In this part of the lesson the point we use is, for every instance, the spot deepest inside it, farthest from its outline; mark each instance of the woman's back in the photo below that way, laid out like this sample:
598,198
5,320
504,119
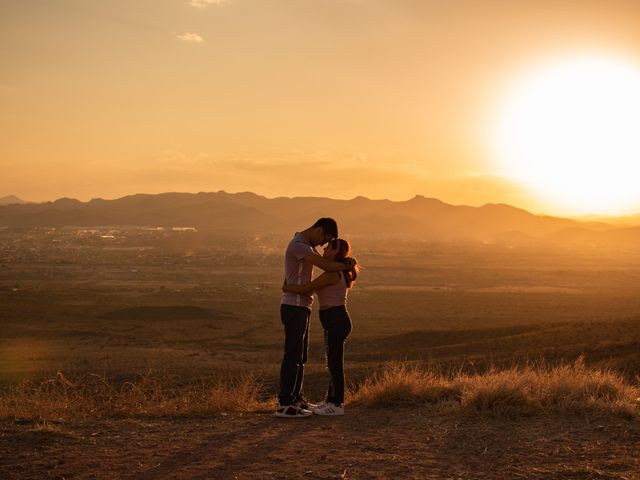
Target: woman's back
333,295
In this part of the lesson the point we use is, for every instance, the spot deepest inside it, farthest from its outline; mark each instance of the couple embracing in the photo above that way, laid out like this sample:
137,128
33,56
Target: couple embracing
331,288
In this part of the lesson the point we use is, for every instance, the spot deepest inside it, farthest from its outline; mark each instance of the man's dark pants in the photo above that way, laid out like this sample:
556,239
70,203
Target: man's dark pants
296,345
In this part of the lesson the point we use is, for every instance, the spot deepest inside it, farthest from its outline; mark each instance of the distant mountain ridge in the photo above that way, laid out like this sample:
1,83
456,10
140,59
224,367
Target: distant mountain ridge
421,217
10,200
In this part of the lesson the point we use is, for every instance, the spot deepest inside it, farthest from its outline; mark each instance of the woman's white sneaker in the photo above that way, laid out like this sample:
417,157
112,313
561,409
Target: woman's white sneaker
329,409
322,404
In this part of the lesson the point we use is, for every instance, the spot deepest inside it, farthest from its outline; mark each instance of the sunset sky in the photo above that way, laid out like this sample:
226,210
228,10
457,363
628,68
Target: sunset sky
337,98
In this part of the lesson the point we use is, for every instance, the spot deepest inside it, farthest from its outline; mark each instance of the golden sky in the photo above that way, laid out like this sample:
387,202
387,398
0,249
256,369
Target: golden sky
338,98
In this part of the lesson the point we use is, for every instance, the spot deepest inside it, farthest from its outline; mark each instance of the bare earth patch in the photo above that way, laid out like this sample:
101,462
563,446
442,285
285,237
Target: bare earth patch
365,444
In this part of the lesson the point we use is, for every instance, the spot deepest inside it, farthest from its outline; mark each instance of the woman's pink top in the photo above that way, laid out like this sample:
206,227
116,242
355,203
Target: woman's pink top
333,295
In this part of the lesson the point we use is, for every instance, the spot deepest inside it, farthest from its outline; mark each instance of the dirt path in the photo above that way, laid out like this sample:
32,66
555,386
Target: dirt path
365,444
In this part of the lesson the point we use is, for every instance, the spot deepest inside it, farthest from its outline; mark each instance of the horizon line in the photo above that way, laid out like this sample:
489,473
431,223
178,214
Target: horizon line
414,197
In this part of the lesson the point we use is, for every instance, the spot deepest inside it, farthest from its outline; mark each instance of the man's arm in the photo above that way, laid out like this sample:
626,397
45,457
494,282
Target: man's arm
329,265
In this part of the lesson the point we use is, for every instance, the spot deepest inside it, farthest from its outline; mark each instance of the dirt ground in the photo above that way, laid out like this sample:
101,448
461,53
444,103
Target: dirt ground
364,444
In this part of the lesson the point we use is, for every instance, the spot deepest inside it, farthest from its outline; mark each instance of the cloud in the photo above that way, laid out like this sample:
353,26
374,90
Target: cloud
190,37
310,172
205,3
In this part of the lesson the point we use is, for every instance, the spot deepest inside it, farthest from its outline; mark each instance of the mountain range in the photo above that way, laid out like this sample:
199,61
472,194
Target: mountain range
10,200
420,217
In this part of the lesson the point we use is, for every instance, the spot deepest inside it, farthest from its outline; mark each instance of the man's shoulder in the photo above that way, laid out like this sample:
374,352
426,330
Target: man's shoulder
299,240
299,237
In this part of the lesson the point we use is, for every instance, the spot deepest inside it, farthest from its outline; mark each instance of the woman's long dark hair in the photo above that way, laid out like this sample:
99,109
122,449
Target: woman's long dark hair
343,249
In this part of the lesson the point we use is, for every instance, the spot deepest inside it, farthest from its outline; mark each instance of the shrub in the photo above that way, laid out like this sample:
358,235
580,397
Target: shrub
514,391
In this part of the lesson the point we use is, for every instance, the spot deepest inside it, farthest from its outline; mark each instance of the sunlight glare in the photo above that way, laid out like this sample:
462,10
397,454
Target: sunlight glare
571,133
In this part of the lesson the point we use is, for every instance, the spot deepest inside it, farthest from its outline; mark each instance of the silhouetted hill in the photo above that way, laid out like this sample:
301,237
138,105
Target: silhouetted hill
419,217
10,200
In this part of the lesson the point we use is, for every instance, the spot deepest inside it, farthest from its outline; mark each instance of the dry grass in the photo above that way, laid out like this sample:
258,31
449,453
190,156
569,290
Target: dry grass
519,390
152,394
400,384
528,390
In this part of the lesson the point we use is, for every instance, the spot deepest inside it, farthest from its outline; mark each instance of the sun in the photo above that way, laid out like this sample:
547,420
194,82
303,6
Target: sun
570,131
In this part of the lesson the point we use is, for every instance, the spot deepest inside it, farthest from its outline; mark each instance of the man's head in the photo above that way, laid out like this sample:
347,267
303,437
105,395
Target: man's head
323,231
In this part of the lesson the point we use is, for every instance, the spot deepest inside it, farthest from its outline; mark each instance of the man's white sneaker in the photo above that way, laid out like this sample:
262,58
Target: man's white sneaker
292,411
329,409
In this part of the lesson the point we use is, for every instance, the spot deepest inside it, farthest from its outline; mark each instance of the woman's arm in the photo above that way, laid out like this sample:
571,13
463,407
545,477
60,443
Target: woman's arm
324,280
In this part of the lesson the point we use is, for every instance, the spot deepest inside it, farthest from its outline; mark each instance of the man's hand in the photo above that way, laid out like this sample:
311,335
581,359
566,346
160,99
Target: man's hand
350,262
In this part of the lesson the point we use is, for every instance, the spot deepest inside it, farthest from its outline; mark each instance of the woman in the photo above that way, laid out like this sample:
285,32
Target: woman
331,289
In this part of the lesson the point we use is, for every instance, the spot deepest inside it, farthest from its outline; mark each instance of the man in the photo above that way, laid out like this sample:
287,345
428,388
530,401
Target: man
295,309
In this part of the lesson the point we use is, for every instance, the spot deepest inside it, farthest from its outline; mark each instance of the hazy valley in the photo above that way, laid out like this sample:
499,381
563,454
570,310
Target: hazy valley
187,302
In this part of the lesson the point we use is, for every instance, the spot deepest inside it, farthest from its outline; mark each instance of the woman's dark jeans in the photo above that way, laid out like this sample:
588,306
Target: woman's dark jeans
337,327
